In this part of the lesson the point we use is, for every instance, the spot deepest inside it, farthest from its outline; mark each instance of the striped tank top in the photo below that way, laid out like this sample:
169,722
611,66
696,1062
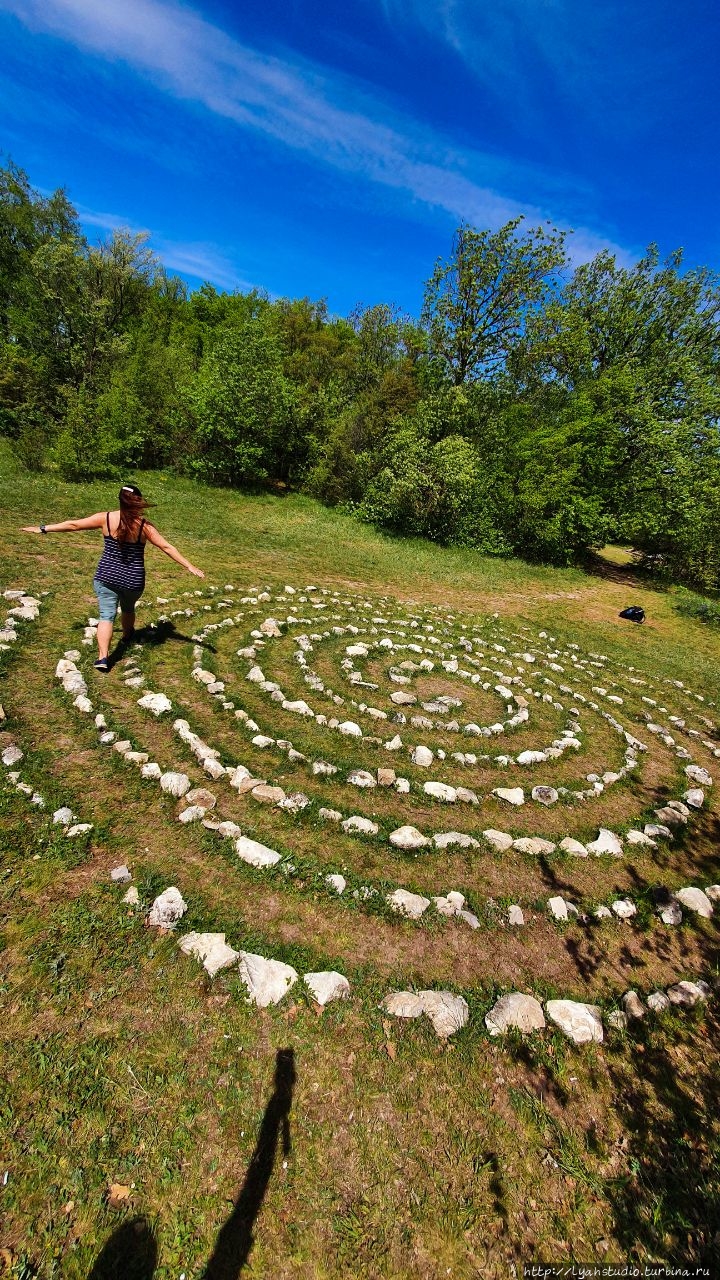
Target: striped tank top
122,564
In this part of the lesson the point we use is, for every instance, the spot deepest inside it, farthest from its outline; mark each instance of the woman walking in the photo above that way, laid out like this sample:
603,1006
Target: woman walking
120,576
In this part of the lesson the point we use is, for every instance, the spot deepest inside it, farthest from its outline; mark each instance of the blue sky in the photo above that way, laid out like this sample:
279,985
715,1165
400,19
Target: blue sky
329,150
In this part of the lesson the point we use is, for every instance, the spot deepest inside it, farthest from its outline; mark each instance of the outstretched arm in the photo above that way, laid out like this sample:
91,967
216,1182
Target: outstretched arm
68,526
171,551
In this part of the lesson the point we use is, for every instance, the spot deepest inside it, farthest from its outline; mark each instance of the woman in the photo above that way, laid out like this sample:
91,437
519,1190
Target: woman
120,575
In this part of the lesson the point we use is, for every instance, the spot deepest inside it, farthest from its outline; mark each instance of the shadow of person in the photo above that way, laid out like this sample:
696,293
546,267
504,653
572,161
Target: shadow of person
129,1254
235,1239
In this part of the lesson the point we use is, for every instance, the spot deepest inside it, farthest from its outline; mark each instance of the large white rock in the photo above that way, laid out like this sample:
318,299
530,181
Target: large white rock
512,795
640,838
695,797
422,756
267,981
444,839
558,908
151,770
687,993
580,1022
607,842
362,778
699,776
175,784
545,795
534,845
328,986
403,699
256,854
11,755
531,757
440,791
211,949
363,825
155,702
255,675
408,904
574,847
408,837
447,1012
350,729
499,840
167,909
336,882
695,900
624,909
515,1010
63,816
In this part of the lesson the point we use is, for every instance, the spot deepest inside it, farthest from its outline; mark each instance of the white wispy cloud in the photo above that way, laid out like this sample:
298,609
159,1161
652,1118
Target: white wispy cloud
329,118
194,258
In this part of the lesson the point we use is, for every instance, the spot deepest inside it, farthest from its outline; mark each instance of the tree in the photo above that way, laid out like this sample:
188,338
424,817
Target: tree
476,304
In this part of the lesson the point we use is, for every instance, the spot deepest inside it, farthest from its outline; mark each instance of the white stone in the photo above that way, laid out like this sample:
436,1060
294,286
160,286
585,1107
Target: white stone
534,845
499,840
640,838
515,1010
671,913
658,1002
155,702
211,949
361,778
151,770
624,908
267,981
633,1005
350,729
440,791
270,628
262,740
447,1012
444,839
255,676
120,875
695,900
686,993
256,854
558,908
327,986
174,784
167,909
713,892
336,882
512,795
363,825
63,816
132,897
531,757
83,704
193,813
408,904
330,815
403,699
394,744
653,829
544,795
78,829
408,837
515,915
695,797
574,847
602,912
607,842
422,756
404,1004
697,775
580,1022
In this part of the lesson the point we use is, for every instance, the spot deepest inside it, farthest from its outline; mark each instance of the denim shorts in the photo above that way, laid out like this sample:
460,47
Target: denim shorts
109,600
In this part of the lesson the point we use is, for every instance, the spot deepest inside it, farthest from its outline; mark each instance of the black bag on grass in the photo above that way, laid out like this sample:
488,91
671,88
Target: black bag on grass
633,614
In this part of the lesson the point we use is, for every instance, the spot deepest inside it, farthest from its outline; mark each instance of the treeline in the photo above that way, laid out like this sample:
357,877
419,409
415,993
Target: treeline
530,409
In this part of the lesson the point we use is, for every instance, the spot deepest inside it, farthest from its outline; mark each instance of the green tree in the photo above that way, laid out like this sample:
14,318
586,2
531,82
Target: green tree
476,304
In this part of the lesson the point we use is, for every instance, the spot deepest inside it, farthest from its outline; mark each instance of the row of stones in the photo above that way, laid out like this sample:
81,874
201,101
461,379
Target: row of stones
408,903
268,981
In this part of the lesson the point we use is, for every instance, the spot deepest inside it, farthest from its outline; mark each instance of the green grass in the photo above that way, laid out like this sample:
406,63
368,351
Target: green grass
122,1062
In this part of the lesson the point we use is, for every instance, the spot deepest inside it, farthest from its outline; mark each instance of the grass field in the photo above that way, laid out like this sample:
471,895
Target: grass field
300,1141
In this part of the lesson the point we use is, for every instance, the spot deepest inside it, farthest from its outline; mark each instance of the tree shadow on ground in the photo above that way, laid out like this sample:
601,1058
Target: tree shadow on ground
235,1239
668,1209
129,1254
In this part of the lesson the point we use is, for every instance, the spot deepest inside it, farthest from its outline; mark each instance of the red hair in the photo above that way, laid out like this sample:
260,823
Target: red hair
132,506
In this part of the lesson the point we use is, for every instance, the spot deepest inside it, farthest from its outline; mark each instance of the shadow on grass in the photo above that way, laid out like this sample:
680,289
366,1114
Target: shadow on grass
130,1253
153,635
235,1239
669,1209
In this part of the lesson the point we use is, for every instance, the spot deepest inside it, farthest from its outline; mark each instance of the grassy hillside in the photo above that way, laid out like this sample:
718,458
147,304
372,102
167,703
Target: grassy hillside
302,1141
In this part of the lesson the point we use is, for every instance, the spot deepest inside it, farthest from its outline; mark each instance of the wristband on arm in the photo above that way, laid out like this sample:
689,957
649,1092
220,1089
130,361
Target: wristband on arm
43,528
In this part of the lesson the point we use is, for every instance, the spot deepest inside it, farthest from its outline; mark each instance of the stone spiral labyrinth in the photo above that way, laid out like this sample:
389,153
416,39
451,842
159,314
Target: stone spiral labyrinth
470,774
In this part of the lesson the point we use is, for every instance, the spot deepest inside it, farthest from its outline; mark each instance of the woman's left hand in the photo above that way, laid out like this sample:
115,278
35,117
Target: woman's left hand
31,528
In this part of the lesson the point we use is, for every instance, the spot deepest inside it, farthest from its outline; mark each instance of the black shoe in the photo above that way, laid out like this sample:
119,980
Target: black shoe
102,665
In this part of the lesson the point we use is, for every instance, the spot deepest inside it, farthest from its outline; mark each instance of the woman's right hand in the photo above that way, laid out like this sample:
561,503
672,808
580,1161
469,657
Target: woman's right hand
197,573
